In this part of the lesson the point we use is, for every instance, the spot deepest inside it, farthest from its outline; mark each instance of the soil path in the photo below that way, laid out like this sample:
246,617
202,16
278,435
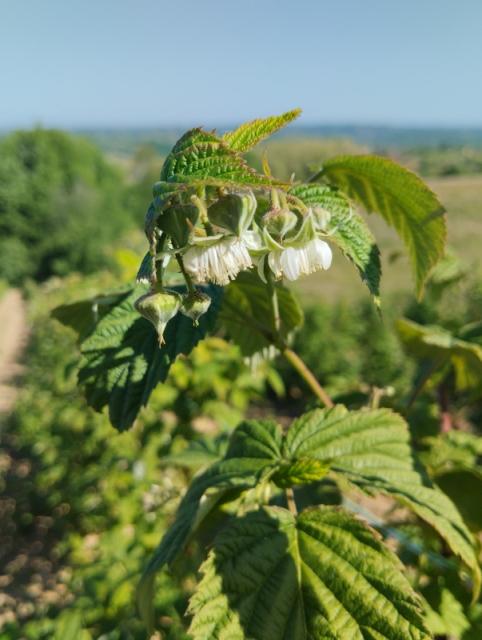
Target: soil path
13,337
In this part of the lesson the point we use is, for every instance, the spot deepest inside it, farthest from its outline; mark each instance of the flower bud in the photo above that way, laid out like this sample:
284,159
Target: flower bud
194,305
159,307
322,218
233,212
279,221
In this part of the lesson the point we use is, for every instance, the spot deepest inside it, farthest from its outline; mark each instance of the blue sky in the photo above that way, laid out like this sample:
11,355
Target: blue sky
185,62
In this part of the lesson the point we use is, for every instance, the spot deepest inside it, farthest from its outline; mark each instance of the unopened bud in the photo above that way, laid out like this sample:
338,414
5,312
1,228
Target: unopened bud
194,305
233,212
159,307
279,221
322,218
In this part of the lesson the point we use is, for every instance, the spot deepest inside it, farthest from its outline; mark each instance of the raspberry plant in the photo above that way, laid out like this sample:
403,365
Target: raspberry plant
222,238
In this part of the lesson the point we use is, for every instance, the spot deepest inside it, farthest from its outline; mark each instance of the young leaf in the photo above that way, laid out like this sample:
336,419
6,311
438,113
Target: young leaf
249,134
372,450
438,346
402,198
323,574
349,231
246,313
121,359
200,155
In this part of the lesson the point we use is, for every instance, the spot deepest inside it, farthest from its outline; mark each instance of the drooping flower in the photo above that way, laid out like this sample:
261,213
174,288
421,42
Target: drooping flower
293,262
218,259
301,254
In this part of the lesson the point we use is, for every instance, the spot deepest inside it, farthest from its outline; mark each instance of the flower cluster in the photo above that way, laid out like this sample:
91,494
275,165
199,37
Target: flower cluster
216,234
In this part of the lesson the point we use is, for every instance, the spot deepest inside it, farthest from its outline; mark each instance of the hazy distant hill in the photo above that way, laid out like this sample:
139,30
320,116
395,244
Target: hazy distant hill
125,141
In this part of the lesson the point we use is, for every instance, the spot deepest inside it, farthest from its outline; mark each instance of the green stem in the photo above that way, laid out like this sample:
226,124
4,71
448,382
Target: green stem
307,375
190,286
274,304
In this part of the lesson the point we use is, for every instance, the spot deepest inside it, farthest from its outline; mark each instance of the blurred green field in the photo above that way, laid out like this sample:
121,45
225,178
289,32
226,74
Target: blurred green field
462,198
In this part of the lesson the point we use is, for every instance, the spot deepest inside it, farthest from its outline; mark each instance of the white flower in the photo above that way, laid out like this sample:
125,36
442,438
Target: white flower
292,262
218,262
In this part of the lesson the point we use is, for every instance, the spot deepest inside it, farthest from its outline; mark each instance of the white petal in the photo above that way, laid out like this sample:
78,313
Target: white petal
274,262
323,250
291,263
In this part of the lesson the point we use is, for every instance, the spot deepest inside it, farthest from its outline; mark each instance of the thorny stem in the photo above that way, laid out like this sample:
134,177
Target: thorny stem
187,277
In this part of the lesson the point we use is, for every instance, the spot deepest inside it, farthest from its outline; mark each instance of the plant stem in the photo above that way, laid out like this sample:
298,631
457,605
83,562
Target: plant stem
274,304
187,277
307,375
290,500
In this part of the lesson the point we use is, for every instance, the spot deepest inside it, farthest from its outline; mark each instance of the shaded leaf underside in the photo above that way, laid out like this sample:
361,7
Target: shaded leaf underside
401,198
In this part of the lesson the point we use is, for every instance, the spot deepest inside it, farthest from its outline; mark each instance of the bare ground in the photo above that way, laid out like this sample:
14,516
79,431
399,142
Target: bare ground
13,337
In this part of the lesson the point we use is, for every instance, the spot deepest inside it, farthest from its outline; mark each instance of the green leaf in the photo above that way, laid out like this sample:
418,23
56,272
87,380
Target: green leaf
438,346
121,359
402,198
202,156
371,449
246,313
83,315
252,452
323,574
350,232
249,134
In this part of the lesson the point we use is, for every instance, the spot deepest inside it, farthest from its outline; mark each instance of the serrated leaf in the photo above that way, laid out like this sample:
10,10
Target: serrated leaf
246,313
371,449
439,346
249,134
350,232
200,155
323,574
252,451
402,198
121,359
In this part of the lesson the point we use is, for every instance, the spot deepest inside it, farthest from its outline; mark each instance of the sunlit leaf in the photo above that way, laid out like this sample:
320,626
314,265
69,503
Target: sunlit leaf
323,574
200,155
371,449
249,134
